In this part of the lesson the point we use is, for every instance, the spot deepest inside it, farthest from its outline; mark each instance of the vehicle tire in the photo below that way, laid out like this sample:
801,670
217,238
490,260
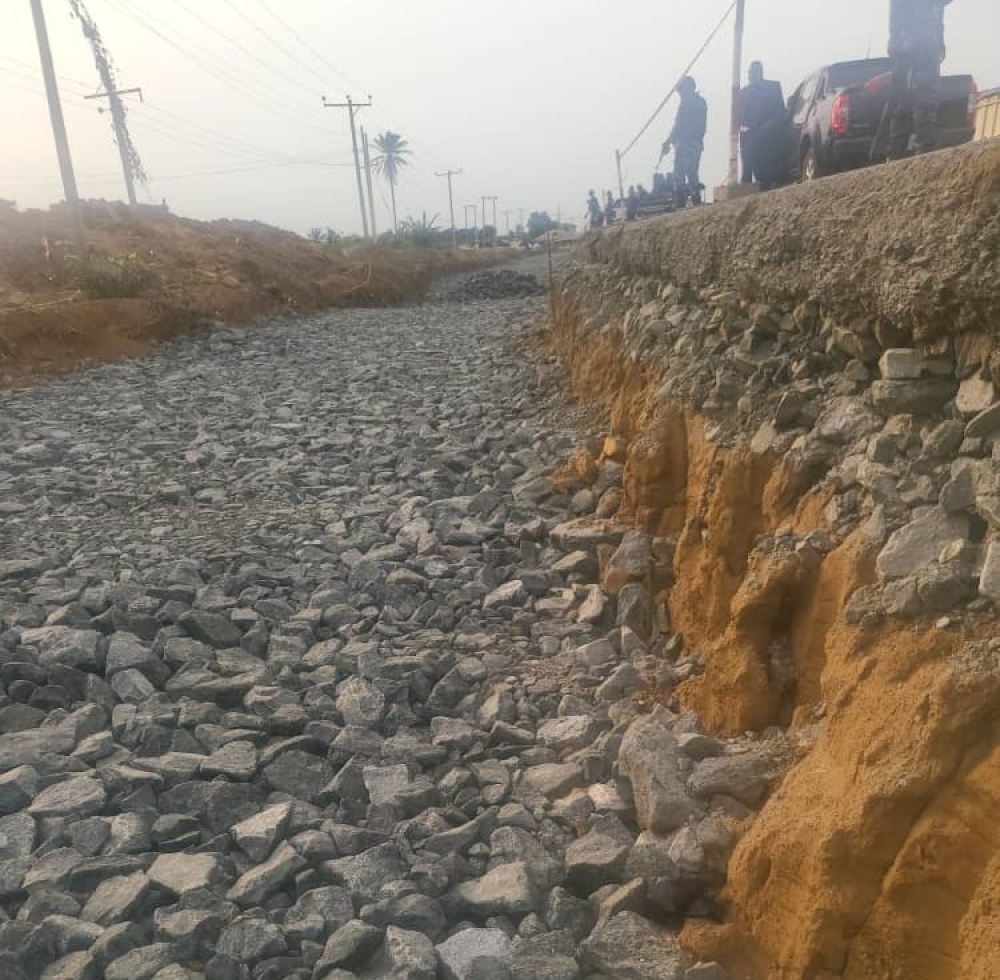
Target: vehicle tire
811,169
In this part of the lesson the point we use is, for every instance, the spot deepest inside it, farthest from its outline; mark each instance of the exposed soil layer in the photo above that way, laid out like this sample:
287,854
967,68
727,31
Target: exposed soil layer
879,854
144,275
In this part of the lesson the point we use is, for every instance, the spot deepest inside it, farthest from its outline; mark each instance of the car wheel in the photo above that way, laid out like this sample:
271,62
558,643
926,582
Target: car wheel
811,170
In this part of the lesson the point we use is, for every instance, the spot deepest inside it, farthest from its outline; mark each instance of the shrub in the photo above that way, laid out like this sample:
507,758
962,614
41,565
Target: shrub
114,277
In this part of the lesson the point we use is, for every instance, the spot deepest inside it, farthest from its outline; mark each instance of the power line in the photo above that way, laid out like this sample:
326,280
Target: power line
309,47
711,37
245,85
242,48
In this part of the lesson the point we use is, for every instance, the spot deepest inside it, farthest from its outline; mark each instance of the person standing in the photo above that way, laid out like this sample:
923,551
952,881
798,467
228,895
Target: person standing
762,136
687,139
595,212
916,48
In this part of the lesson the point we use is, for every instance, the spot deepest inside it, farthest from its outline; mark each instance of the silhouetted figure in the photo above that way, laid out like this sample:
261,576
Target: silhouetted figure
688,141
632,204
762,129
916,47
609,208
595,212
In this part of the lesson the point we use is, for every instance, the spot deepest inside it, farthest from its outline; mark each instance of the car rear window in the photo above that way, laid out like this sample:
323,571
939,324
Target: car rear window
857,73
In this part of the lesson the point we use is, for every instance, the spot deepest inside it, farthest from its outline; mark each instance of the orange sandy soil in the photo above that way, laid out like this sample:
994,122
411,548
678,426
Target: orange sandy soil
878,856
228,271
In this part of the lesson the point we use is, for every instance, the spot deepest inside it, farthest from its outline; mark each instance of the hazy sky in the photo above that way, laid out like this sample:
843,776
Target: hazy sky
529,97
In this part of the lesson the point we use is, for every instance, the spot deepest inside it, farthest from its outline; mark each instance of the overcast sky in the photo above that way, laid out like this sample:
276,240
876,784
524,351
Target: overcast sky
529,97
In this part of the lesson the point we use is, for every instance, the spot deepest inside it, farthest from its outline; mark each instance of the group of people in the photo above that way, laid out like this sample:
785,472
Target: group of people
916,49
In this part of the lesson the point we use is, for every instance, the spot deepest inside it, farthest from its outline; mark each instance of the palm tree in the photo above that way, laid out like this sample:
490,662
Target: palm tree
394,154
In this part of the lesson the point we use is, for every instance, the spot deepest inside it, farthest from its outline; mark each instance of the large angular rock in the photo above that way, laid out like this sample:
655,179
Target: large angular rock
552,779
210,628
594,861
506,890
649,758
117,900
250,938
743,776
919,543
923,398
65,647
410,955
629,947
299,774
319,912
364,874
81,796
18,788
181,873
360,702
256,884
257,835
350,946
459,952
631,562
989,580
585,534
847,420
569,732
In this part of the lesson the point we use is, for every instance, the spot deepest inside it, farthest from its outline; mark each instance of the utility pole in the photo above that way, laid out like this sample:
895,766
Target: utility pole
55,110
352,110
472,208
734,127
121,135
368,176
451,202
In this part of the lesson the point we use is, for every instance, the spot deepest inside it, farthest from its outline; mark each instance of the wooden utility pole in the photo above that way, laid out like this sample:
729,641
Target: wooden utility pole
352,110
55,110
451,203
734,127
368,177
121,134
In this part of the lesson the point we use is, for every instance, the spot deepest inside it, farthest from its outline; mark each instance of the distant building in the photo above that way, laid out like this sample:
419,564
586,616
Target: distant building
988,115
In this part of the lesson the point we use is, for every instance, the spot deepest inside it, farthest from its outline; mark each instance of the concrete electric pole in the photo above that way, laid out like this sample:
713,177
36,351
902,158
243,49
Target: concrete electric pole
352,110
55,108
121,135
368,178
451,203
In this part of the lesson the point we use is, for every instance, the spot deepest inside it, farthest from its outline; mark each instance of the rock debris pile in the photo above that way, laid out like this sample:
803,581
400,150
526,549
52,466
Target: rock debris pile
491,284
906,440
305,674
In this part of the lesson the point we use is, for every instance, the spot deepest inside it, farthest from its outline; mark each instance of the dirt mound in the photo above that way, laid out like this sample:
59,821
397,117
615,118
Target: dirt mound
143,275
492,284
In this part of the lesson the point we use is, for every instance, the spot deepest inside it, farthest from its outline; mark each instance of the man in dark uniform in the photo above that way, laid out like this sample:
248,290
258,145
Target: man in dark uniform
916,47
688,141
762,136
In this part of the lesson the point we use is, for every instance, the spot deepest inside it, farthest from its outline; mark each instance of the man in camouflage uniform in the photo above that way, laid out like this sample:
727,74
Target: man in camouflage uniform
916,47
688,141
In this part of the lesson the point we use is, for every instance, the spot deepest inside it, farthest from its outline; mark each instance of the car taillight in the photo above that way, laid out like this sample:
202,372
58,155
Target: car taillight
879,85
841,119
973,102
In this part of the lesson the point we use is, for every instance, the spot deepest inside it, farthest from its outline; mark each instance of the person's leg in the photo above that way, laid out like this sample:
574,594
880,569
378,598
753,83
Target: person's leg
746,158
694,166
901,107
680,185
925,84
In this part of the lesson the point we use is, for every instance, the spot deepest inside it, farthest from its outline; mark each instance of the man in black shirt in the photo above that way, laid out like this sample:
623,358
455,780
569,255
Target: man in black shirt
688,141
916,47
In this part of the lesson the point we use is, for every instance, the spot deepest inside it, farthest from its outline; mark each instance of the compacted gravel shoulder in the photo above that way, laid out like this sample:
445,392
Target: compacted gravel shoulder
304,673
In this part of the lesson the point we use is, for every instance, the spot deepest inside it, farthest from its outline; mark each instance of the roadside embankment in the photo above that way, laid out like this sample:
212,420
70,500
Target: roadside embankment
803,390
144,275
